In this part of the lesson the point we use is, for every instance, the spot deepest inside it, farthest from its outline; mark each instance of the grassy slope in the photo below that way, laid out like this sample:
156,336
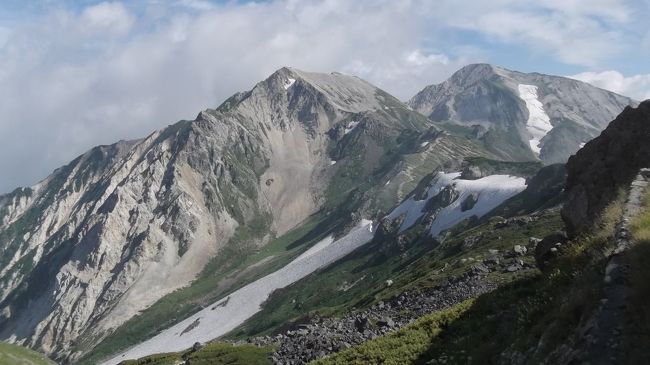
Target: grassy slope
420,264
507,324
401,347
212,354
17,355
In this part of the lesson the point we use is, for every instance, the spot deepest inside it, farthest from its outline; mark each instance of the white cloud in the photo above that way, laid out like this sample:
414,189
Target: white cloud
4,36
579,32
637,86
66,85
106,17
71,79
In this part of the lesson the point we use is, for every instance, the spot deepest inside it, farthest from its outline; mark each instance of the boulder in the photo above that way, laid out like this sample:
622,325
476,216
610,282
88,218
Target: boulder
520,250
546,249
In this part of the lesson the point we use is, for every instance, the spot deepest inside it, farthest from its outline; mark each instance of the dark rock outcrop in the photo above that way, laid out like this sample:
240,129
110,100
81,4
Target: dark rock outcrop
604,166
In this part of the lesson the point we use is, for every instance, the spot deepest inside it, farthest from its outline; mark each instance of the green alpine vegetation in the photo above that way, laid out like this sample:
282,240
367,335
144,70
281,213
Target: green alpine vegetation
18,355
212,354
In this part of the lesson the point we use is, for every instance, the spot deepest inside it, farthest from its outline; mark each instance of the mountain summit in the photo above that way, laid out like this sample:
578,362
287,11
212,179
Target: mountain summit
521,115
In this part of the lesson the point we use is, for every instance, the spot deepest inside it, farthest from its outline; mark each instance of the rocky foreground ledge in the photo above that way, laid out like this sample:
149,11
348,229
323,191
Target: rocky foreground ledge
324,336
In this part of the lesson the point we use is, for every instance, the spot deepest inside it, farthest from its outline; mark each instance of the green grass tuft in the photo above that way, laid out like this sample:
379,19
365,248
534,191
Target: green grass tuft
212,354
18,355
401,347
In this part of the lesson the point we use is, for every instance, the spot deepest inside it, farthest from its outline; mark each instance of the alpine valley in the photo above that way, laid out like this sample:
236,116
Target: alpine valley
318,218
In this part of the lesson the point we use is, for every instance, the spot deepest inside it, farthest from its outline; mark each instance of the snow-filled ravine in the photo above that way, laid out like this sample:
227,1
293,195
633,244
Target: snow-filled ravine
228,313
489,191
538,124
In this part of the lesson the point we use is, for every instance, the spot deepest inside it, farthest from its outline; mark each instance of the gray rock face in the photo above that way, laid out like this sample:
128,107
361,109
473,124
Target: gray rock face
604,166
488,99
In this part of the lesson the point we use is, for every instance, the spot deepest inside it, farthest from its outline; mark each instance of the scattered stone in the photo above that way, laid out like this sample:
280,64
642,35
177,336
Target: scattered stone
521,250
386,322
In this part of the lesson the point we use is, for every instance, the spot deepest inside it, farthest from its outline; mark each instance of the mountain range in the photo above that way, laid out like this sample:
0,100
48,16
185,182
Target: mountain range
302,170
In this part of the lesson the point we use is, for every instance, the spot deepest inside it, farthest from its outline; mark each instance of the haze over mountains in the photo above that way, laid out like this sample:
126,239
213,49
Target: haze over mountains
105,237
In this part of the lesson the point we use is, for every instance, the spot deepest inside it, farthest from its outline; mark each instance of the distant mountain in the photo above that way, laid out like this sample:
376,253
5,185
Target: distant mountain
520,116
122,226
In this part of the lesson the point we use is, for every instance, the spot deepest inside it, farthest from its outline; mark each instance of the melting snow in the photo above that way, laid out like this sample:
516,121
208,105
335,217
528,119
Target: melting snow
491,191
538,123
315,248
226,314
351,127
289,84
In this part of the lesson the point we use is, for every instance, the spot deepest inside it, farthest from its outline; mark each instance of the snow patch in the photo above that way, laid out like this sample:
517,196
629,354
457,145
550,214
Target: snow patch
225,314
351,126
289,83
424,144
332,162
315,248
538,124
490,191
581,145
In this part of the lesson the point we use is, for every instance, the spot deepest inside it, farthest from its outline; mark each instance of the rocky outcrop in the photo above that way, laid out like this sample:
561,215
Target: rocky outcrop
324,336
548,248
488,102
606,166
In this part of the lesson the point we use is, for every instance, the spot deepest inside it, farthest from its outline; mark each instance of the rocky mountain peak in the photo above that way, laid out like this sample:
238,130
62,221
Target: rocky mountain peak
526,116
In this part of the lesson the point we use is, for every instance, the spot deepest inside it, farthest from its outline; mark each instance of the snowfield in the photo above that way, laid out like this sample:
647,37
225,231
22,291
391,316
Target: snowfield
489,191
351,127
538,123
228,313
289,83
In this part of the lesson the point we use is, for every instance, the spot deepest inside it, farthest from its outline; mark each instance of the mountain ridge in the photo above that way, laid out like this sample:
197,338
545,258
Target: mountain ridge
554,114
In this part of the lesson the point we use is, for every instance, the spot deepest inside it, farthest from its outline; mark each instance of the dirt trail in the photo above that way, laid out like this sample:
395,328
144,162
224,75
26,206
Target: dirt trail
605,334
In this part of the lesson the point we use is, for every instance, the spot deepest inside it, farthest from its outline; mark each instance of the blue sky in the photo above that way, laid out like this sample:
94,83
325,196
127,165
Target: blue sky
74,74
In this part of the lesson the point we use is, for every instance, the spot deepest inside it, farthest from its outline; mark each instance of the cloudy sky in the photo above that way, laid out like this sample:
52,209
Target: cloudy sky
74,74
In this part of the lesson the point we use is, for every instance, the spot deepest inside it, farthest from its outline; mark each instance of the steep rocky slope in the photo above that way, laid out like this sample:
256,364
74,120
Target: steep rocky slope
605,166
120,227
518,115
